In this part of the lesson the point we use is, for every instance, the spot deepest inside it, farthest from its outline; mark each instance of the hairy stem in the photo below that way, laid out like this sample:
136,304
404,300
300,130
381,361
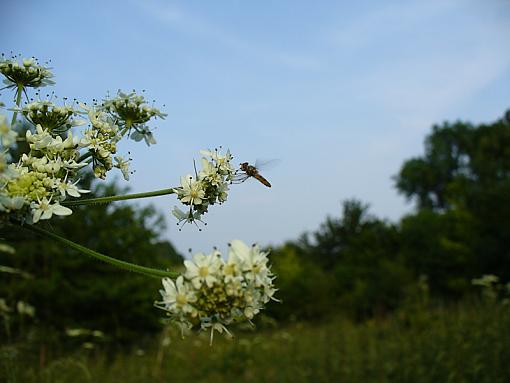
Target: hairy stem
19,92
105,200
147,271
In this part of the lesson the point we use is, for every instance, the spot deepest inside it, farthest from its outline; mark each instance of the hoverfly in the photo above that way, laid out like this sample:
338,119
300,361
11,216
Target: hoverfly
251,171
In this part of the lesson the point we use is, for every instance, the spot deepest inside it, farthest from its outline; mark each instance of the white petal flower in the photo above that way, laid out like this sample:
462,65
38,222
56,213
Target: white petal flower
253,261
7,171
144,134
7,135
222,192
123,165
177,296
71,141
191,191
186,217
40,140
222,161
70,189
11,203
44,209
203,269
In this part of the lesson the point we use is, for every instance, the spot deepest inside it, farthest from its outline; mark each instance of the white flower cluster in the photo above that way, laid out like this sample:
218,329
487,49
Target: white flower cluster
132,112
214,293
34,187
101,140
210,186
27,73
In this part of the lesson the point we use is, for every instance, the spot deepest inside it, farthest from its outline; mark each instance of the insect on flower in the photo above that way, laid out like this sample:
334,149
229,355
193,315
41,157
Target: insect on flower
247,171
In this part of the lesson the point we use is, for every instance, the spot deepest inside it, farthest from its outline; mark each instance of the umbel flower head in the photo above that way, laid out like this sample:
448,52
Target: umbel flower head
101,139
206,188
131,112
214,293
56,119
33,188
27,73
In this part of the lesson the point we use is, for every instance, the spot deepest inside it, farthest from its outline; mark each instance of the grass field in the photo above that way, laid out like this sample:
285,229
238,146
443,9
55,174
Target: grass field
469,342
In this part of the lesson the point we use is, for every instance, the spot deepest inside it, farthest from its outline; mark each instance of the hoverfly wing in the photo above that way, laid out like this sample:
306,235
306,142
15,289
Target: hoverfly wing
266,164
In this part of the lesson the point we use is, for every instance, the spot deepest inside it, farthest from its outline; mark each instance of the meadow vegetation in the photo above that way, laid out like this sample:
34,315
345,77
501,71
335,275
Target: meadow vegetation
468,342
363,299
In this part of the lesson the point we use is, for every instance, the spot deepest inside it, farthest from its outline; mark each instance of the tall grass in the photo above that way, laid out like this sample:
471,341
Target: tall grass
469,342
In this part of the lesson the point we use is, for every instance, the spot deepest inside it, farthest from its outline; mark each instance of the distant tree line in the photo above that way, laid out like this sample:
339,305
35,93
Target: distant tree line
357,264
363,266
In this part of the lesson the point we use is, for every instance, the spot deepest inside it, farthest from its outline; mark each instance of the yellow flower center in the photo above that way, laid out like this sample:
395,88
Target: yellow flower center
203,271
181,299
229,269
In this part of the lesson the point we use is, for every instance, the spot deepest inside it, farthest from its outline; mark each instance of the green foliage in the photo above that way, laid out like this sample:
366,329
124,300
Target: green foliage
350,265
303,286
439,246
364,266
382,275
464,179
69,290
463,343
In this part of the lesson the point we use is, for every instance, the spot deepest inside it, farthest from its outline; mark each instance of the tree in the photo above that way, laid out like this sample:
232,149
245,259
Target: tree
465,171
351,264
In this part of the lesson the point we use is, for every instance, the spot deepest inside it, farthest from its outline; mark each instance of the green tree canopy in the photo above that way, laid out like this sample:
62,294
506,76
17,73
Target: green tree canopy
465,174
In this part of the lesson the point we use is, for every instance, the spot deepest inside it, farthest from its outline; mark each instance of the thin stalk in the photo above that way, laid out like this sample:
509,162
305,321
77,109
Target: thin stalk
19,92
84,156
105,200
147,271
123,131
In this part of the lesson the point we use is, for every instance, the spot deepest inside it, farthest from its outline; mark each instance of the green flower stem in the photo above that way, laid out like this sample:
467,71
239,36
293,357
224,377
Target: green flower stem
104,200
147,271
84,156
19,92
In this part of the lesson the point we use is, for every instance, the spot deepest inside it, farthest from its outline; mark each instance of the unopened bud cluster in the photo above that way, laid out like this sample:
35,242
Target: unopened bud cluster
54,118
214,292
27,73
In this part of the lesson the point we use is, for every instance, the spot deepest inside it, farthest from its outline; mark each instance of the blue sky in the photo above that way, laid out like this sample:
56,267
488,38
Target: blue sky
340,92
